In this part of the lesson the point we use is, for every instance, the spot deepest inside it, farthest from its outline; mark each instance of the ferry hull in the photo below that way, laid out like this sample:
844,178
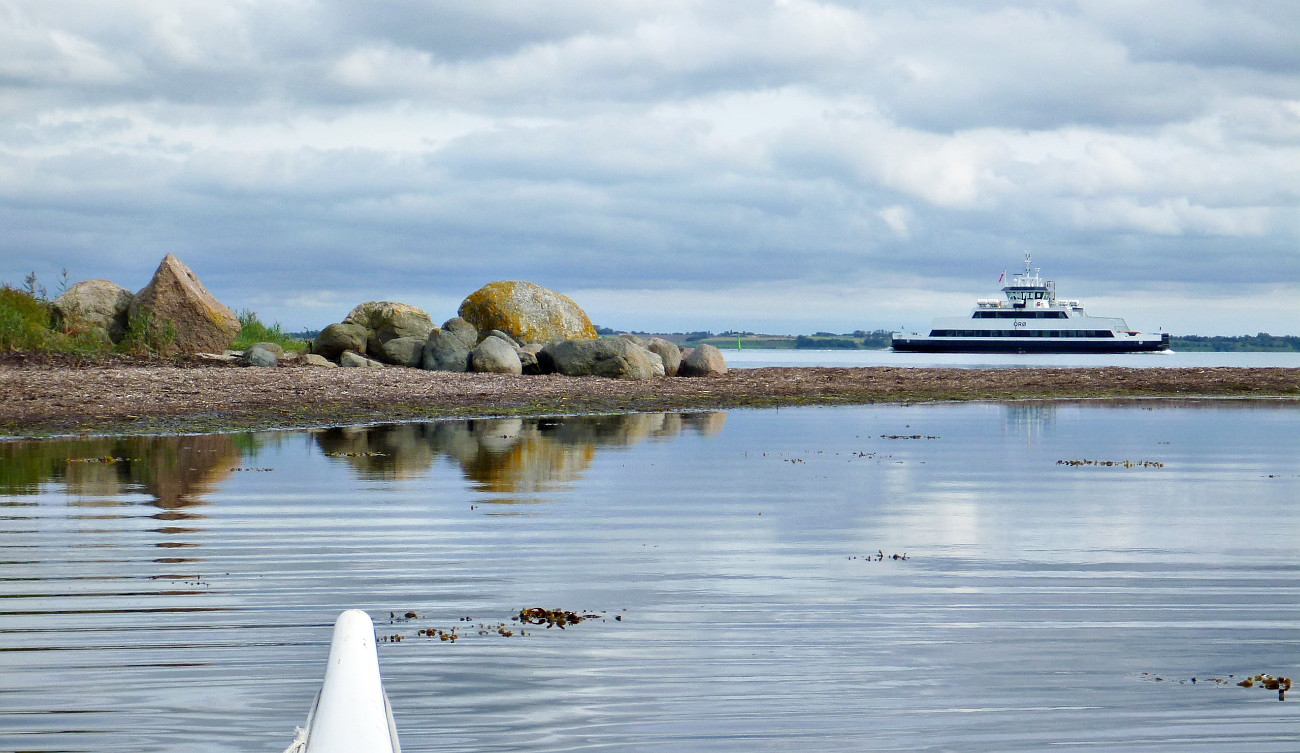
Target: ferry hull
1025,345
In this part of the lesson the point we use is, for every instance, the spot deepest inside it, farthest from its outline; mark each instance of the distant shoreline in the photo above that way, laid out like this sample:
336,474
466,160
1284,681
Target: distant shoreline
41,400
880,340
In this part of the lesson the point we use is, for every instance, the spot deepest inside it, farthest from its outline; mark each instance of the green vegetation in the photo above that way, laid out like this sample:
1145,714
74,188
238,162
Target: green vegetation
141,339
856,340
26,325
1260,342
252,330
24,321
822,341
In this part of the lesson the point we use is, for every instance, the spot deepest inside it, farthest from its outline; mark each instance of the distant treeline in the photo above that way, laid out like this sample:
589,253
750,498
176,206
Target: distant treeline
1260,342
880,338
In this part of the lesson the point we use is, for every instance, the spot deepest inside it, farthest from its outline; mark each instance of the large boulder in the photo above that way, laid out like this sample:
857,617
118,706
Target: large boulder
613,358
527,312
181,314
703,360
444,351
402,351
495,356
93,304
464,330
388,320
668,351
336,338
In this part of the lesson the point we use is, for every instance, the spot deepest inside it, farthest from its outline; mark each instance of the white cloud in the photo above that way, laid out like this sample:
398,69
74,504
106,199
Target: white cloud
777,150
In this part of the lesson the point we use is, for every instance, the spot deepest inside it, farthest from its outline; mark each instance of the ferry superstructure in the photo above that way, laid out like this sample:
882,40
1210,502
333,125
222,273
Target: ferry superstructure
1031,319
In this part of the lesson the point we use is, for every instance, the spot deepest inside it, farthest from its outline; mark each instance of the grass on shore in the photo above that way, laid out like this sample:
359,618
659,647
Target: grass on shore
253,330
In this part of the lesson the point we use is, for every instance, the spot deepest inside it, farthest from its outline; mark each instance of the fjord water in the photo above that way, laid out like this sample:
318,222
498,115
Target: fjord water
180,597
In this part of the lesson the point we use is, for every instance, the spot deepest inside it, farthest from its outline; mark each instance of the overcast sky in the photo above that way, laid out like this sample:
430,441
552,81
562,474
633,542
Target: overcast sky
669,164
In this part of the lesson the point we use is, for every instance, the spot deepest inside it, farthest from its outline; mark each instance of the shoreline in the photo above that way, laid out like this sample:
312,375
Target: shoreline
39,401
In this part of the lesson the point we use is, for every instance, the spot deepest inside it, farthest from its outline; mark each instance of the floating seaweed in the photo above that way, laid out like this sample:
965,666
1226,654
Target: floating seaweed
1113,463
908,436
106,459
530,616
552,617
356,454
1263,681
880,556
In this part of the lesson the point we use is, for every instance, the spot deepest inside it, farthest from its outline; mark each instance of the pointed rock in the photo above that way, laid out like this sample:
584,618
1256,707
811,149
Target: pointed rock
183,316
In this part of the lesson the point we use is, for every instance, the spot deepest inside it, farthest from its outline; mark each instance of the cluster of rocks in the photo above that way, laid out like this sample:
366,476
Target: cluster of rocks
174,307
506,327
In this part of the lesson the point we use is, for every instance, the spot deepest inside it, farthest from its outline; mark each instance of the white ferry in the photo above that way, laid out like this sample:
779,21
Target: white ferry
1031,320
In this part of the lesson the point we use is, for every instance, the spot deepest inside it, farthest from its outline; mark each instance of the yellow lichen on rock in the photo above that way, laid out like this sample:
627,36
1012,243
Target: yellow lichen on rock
527,312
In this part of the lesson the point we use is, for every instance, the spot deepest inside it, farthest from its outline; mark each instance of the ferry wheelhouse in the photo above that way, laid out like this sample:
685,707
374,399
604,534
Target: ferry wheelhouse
1031,319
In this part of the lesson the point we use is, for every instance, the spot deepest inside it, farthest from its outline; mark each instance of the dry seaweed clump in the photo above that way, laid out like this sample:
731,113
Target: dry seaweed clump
552,617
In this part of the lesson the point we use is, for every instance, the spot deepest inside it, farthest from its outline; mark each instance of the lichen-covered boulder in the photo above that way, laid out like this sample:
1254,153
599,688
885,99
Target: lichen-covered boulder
336,338
495,356
178,308
527,312
703,360
467,332
388,320
445,351
668,352
93,304
613,358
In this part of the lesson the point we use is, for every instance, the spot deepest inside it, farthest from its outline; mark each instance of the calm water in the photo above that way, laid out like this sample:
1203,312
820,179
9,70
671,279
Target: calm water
180,598
755,358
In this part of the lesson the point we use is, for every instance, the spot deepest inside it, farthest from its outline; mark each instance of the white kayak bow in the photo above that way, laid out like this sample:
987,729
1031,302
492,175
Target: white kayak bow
351,713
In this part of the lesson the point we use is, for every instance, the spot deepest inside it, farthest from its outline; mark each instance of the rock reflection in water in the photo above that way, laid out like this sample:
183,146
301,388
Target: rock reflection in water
504,456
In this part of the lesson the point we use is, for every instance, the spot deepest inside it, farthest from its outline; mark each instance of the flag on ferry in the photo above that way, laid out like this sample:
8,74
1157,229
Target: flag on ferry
1002,276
